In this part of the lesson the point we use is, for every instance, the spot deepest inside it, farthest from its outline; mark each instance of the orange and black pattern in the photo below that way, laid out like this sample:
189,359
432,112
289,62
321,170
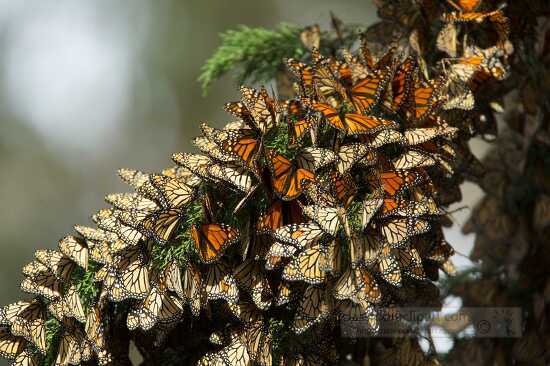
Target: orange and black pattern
332,224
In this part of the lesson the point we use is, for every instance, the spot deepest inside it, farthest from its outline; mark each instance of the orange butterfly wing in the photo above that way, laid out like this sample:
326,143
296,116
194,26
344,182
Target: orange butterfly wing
244,146
330,114
366,93
356,124
211,240
403,82
272,219
287,179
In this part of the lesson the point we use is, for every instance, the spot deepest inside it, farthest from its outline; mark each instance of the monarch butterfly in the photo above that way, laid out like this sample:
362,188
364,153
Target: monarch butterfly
416,136
211,240
344,288
313,308
234,174
330,259
70,305
242,144
212,149
314,158
394,182
193,289
272,219
95,234
74,249
33,329
398,231
403,84
10,345
245,311
100,252
307,267
311,36
95,330
173,191
158,306
300,119
45,284
328,218
302,72
132,274
369,209
366,93
460,96
384,137
411,263
112,284
239,110
299,235
184,174
34,268
220,283
195,163
27,358
478,17
162,225
131,201
427,97
364,249
352,123
258,340
327,75
73,348
389,267
60,265
366,286
282,295
349,310
413,158
357,70
10,312
235,353
349,155
134,178
261,107
288,179
278,250
344,187
250,276
440,251
106,219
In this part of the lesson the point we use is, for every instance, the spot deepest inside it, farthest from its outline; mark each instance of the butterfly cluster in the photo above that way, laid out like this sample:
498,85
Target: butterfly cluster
295,216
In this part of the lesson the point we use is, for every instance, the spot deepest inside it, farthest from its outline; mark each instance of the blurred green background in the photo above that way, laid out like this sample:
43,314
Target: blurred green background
87,87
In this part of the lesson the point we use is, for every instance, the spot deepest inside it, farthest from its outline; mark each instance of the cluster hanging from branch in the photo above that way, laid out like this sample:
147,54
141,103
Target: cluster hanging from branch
298,215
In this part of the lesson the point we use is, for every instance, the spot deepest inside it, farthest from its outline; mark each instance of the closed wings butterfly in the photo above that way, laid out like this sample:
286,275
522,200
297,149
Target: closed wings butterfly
211,240
299,235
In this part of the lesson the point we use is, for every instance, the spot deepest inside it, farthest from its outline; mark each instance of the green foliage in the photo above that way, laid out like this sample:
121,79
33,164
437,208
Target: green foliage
278,140
280,335
86,288
53,334
354,213
255,54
